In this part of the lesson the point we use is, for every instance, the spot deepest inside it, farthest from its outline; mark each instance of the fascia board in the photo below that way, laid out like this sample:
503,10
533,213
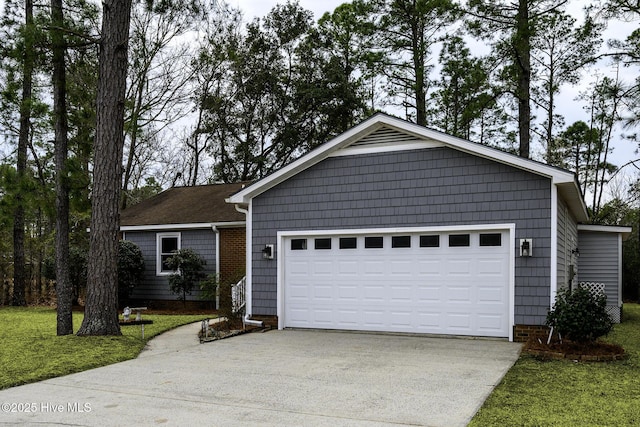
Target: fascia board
624,231
191,226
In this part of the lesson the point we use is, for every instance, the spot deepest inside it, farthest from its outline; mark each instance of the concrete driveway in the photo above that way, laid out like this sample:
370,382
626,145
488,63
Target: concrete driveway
276,378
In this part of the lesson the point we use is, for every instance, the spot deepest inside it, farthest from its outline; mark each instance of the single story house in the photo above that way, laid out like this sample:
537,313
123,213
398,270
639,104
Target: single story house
185,217
395,227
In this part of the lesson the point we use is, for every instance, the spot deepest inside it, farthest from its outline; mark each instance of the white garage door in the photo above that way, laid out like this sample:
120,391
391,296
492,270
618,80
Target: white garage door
442,283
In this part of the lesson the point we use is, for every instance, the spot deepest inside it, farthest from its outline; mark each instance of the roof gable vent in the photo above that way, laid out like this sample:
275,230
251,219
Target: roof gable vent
386,135
387,139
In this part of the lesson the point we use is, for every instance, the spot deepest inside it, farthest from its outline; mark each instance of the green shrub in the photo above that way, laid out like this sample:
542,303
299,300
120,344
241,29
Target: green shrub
130,269
579,315
77,270
209,289
189,270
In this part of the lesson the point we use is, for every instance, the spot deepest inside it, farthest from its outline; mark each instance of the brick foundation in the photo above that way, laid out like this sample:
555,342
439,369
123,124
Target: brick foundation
522,333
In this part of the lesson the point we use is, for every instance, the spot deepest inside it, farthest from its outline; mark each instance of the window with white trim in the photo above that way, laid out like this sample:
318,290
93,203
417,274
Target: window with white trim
166,245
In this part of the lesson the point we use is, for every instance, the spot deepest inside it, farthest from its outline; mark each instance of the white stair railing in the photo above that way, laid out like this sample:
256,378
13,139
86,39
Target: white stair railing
238,295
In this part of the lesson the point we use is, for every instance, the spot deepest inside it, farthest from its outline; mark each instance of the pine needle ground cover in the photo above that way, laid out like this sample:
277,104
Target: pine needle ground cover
567,393
30,350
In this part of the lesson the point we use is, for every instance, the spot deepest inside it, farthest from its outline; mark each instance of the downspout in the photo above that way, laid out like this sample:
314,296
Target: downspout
217,233
553,268
248,299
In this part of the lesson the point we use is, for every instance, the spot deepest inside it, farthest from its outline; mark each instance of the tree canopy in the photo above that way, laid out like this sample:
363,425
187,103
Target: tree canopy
206,95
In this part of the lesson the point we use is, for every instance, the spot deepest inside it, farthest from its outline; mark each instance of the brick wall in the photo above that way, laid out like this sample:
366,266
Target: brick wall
232,254
522,333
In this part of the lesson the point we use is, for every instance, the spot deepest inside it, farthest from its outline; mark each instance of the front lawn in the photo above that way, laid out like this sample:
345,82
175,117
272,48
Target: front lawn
566,393
30,350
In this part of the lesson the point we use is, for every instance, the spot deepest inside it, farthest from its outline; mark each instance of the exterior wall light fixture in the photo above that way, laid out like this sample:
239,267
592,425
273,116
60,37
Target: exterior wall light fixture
267,252
526,247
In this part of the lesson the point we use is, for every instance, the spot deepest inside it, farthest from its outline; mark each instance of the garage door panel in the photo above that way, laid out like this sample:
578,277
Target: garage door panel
347,268
400,268
347,317
374,294
460,321
489,322
299,268
429,321
489,270
346,293
400,319
299,315
323,316
402,294
440,290
429,267
459,267
428,293
374,318
459,293
373,267
323,293
323,268
299,292
491,294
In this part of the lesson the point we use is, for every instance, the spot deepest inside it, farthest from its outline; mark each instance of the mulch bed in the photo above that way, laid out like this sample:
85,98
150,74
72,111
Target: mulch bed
227,329
591,352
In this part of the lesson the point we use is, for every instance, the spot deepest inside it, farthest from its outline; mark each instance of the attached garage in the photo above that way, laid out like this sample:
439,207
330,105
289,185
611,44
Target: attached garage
455,282
398,228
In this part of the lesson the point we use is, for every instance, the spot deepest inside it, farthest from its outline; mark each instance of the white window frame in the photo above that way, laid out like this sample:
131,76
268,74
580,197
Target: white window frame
159,237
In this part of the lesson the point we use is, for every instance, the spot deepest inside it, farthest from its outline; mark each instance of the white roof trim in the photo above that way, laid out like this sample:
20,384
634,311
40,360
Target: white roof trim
385,148
398,230
378,121
625,231
192,226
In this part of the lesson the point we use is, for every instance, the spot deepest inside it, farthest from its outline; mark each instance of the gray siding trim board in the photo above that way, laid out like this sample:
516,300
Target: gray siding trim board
435,187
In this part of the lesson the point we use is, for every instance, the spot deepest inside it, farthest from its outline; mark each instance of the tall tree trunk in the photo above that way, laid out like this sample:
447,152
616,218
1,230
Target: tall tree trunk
419,67
101,309
549,128
523,69
19,272
63,281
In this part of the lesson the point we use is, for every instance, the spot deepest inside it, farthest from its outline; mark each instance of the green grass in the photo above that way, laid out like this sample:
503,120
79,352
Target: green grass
30,350
566,393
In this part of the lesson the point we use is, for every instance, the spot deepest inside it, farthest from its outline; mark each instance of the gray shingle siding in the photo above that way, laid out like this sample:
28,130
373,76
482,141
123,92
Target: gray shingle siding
157,287
599,262
567,242
431,187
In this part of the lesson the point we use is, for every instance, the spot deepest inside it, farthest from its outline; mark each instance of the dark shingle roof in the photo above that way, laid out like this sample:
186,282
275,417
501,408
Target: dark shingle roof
185,205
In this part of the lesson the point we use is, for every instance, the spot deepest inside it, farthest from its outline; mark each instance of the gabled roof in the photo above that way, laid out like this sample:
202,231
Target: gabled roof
184,207
382,132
